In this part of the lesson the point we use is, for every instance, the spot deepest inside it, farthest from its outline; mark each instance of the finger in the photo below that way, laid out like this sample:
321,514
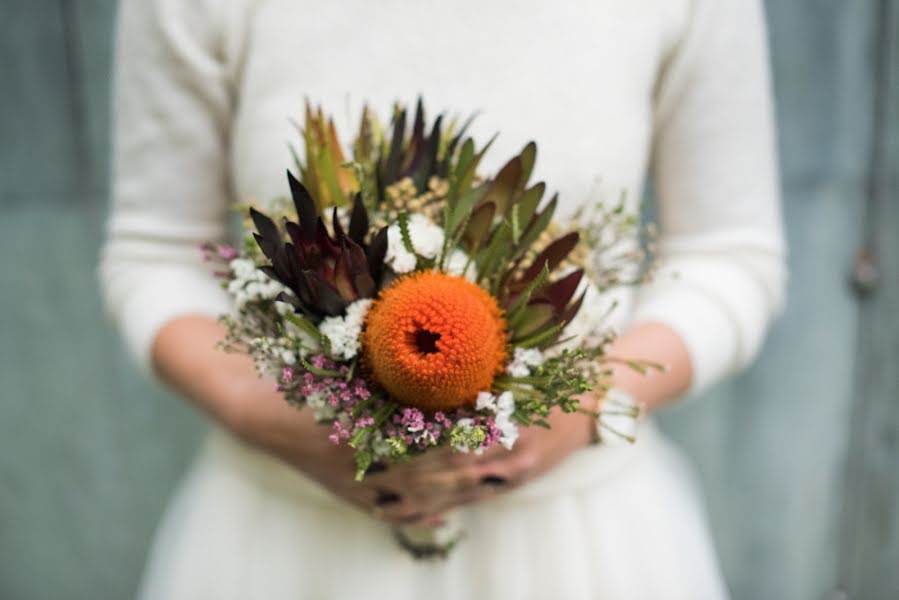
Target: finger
510,469
473,496
392,507
435,493
450,481
375,468
385,498
426,474
400,508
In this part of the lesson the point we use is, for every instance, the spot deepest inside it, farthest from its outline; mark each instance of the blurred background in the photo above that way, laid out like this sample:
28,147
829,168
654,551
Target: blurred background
798,457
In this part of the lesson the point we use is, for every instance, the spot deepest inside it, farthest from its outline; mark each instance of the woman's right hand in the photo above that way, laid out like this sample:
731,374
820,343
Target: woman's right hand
227,387
259,415
262,418
413,492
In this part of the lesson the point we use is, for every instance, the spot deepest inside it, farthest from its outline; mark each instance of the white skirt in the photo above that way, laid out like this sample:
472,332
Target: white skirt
615,523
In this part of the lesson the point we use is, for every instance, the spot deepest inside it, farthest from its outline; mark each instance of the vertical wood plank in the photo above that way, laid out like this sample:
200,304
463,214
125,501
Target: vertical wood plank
91,450
871,517
771,445
92,40
38,149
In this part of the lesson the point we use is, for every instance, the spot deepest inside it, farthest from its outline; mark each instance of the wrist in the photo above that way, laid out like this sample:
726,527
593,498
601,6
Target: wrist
586,416
617,417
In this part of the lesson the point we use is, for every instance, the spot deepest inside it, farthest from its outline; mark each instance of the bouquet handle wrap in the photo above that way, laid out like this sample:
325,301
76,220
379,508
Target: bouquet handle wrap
424,542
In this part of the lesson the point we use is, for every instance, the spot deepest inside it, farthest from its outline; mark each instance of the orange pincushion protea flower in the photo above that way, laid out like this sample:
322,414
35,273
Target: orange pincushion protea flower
433,341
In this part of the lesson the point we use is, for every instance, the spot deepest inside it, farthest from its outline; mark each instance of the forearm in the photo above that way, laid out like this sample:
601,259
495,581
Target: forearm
227,387
657,343
185,357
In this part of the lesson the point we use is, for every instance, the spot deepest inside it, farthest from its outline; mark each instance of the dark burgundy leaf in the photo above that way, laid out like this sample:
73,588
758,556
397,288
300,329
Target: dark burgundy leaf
264,225
296,234
328,246
394,158
571,311
560,292
270,271
365,285
416,142
552,255
505,186
298,305
375,253
325,299
268,246
433,145
306,250
343,278
289,299
358,221
337,226
290,262
306,210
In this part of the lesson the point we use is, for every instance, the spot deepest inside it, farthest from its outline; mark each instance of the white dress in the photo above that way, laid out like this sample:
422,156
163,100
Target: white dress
610,89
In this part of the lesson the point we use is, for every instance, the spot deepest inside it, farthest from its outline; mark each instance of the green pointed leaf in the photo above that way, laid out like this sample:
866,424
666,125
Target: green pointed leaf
540,338
529,200
492,256
403,222
528,158
304,325
462,209
463,166
328,170
466,170
538,223
478,227
532,318
525,296
316,371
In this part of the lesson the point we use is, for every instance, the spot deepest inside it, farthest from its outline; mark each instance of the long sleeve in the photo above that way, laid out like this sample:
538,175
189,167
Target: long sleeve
720,248
170,190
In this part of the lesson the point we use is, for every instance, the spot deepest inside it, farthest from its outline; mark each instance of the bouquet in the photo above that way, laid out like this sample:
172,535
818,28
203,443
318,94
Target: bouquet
413,303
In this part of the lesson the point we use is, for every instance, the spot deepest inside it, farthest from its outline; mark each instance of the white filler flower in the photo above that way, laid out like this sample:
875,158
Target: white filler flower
343,332
250,284
523,362
503,406
427,240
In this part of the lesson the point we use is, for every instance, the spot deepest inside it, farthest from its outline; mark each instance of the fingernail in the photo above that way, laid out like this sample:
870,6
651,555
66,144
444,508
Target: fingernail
376,467
385,498
493,480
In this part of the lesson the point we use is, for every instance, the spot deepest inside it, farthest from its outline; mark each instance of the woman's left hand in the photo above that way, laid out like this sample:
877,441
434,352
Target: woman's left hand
537,449
443,479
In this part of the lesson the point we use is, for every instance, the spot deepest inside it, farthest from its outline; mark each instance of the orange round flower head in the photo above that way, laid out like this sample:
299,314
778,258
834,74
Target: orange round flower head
433,341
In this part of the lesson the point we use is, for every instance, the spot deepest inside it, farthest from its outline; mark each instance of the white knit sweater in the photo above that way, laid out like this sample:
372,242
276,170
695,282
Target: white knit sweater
609,89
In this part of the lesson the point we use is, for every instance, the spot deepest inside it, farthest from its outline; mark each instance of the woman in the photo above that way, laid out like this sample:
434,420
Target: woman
609,90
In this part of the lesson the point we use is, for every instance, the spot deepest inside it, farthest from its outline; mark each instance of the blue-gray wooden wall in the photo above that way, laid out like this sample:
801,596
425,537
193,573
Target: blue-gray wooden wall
798,457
